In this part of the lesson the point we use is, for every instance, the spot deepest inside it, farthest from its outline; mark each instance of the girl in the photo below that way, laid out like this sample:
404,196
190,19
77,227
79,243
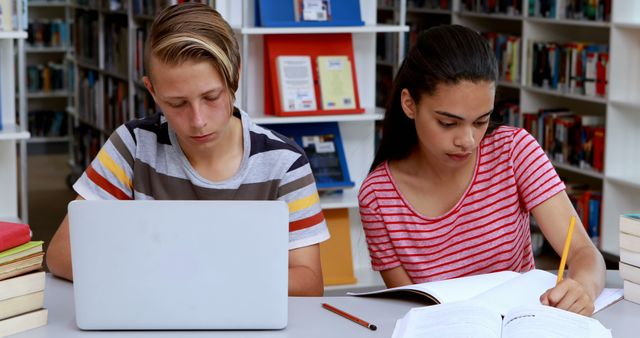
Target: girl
200,146
449,194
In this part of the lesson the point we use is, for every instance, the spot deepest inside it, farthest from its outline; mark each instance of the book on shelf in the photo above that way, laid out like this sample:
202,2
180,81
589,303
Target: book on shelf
507,51
312,10
13,234
569,138
7,11
572,67
497,291
295,81
592,10
587,203
308,13
47,33
507,7
322,143
336,82
469,319
292,82
429,4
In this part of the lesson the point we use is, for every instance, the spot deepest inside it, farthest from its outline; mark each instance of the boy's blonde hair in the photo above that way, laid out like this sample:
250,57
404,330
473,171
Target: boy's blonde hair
195,32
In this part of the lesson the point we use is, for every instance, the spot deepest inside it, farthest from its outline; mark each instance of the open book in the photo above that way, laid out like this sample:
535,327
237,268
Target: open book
470,319
499,291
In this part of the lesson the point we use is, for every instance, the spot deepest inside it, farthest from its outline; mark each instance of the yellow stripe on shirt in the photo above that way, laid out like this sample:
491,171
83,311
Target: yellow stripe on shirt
304,202
114,168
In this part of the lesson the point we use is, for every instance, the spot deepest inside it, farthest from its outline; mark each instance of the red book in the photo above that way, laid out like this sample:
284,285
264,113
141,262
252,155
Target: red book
598,149
13,234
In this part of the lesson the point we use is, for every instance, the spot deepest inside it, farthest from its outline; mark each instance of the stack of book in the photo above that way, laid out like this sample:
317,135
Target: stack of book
630,256
21,280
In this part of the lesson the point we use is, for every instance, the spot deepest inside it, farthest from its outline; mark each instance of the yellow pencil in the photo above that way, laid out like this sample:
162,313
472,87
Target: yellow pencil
565,251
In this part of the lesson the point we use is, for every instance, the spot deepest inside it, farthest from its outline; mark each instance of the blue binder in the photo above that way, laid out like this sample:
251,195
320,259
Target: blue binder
281,13
329,167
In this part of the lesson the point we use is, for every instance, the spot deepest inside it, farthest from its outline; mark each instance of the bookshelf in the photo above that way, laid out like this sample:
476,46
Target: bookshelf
357,130
48,72
108,36
620,179
13,134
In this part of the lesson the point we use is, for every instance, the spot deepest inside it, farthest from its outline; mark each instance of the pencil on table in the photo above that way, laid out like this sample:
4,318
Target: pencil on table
349,316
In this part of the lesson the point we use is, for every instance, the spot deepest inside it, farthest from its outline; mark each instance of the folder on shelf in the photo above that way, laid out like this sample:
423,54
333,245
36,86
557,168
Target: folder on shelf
283,13
335,254
313,46
322,144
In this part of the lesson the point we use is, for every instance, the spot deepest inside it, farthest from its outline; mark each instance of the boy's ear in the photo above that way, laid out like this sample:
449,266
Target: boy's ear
408,104
147,83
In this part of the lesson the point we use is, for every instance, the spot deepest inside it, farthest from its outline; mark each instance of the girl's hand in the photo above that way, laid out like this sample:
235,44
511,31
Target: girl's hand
569,295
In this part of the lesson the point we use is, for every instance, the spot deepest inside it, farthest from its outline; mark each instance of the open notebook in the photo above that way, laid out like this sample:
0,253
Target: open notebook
471,319
500,291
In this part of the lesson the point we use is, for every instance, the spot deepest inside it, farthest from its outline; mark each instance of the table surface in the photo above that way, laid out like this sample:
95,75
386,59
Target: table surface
307,318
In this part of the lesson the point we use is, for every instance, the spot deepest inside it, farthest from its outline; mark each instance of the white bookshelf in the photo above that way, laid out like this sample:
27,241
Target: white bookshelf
13,164
621,177
357,130
56,100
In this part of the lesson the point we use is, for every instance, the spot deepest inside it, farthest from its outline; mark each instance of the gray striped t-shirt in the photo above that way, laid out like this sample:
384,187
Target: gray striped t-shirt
142,159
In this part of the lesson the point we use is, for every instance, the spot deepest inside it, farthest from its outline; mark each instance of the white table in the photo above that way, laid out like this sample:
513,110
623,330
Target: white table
306,317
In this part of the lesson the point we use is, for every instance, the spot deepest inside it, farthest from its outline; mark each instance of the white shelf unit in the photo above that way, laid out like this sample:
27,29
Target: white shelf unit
357,130
622,170
621,177
13,135
54,101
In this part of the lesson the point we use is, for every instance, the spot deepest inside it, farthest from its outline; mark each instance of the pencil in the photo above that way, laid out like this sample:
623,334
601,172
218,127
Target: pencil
350,317
565,251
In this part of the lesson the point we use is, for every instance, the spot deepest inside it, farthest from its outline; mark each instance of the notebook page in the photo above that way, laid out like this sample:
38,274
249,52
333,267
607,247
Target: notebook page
457,289
606,298
549,322
462,319
524,290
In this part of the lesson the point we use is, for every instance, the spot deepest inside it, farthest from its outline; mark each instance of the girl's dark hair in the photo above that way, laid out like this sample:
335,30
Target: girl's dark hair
442,55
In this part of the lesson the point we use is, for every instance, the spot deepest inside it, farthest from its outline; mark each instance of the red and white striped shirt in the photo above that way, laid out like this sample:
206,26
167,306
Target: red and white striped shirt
486,231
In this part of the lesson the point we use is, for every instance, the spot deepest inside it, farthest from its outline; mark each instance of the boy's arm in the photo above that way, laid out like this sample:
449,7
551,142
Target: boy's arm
59,251
305,272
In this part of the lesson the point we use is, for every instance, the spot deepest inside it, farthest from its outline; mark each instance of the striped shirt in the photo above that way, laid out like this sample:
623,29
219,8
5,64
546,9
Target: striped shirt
143,160
486,231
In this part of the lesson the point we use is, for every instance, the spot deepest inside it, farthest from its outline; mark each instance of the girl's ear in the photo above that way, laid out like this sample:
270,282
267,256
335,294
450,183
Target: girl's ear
408,104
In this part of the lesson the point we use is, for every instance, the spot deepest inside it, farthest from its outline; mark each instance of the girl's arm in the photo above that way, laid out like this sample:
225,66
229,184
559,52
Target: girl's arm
395,277
586,274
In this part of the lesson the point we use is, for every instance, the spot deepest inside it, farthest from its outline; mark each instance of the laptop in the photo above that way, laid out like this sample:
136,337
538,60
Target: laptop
180,265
